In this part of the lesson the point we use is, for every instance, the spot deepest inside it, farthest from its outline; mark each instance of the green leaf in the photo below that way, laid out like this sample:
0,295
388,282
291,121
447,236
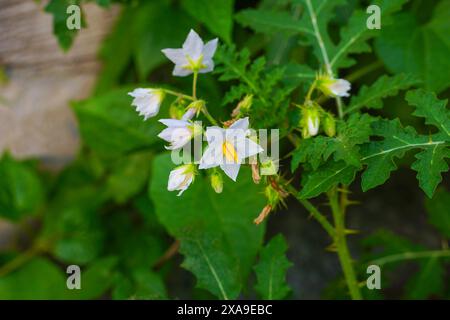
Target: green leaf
21,191
116,51
431,108
379,155
228,215
355,35
129,176
428,281
157,25
327,176
268,21
38,279
385,86
96,279
58,9
72,224
271,270
429,165
344,146
216,15
110,125
407,46
213,265
438,211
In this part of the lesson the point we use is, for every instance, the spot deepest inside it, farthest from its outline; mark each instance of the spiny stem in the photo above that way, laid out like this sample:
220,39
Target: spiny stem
342,248
315,213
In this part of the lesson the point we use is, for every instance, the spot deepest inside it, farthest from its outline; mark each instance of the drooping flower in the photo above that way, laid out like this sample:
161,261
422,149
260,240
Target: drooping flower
310,121
333,87
147,101
180,178
194,56
178,132
228,148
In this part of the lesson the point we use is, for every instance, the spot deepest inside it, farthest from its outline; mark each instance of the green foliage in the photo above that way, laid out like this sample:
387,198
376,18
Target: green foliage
216,15
21,190
385,86
201,212
271,270
438,213
110,126
58,8
421,49
270,95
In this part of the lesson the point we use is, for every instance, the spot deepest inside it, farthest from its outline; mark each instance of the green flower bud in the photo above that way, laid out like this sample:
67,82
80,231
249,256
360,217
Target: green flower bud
329,125
243,106
310,120
217,181
268,168
272,195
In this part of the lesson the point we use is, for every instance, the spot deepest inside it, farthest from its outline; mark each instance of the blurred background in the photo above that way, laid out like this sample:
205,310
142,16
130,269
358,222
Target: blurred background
49,76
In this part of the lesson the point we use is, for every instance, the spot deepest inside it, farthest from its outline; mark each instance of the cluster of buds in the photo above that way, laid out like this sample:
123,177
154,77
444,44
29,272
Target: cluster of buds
313,117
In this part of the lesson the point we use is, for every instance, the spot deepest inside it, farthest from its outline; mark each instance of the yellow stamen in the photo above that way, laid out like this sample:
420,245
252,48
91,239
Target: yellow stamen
229,152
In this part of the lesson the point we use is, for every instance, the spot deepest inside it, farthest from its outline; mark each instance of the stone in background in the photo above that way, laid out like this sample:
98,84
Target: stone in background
35,118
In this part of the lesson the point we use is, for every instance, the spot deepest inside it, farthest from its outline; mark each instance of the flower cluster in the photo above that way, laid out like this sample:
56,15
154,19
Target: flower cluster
228,147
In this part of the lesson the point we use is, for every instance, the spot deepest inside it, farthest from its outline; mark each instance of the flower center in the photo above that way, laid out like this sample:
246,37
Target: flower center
195,65
229,152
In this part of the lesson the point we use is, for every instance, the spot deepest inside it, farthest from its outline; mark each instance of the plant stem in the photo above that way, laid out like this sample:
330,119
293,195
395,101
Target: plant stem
194,85
315,213
209,116
342,248
20,260
177,94
411,256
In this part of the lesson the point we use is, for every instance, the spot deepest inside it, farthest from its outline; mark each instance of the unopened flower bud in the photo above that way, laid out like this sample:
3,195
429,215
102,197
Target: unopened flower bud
243,106
329,125
269,168
217,181
310,121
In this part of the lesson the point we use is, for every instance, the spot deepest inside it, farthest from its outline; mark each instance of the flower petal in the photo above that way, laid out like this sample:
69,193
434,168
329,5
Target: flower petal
212,157
209,49
247,148
174,123
231,169
240,124
193,46
176,56
181,71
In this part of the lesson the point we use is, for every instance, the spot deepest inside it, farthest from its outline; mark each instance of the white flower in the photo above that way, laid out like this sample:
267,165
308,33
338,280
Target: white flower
340,88
228,148
194,56
147,101
178,132
180,178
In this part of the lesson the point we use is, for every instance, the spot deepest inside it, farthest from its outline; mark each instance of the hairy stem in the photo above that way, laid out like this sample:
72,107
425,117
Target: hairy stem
21,259
178,94
342,248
